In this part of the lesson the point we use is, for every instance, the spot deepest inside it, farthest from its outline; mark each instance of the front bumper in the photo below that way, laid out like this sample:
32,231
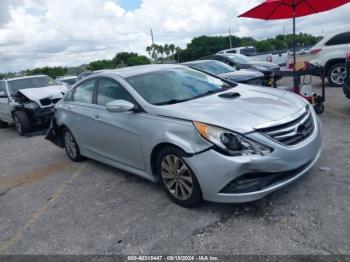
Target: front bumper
41,116
215,171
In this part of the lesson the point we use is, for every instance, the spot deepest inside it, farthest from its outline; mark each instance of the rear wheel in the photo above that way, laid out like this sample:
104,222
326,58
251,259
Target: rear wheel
337,75
22,122
71,146
177,178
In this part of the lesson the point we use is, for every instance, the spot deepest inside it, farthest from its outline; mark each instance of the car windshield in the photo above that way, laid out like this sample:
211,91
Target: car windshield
175,85
215,68
69,81
240,59
31,82
248,51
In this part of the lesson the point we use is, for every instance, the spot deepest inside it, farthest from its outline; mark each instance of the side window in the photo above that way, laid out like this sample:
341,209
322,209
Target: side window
109,90
84,92
340,39
2,86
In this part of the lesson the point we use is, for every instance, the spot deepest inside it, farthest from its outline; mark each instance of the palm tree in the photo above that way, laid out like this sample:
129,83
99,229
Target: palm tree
166,50
160,49
172,50
178,50
149,50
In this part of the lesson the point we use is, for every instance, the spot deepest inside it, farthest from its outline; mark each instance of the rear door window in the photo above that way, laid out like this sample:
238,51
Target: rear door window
84,92
340,39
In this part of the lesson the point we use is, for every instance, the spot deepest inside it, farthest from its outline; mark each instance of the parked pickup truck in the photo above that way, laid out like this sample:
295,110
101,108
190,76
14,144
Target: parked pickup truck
28,101
278,57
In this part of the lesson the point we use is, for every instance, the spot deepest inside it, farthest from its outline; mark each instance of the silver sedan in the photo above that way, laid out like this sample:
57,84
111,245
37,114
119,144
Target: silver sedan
200,136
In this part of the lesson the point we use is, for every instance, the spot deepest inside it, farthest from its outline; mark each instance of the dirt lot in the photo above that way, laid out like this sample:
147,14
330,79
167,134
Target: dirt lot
49,205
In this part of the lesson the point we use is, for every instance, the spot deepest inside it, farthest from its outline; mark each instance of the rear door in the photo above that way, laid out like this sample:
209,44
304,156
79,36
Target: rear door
80,113
338,45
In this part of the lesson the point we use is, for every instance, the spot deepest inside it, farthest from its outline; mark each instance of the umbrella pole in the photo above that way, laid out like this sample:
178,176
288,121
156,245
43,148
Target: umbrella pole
295,78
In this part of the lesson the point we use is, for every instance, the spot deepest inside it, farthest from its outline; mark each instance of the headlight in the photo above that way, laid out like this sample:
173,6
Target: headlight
31,106
230,143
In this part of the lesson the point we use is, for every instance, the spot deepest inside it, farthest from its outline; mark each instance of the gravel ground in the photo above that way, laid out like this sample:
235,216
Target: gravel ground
49,205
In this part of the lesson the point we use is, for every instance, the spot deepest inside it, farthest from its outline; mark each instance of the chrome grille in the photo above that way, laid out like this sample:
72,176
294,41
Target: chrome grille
294,132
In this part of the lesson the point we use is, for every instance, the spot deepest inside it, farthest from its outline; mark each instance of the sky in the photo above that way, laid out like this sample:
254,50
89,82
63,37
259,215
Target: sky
36,33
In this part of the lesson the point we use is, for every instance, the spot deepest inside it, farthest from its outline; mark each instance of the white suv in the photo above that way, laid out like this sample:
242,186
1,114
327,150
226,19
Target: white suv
330,53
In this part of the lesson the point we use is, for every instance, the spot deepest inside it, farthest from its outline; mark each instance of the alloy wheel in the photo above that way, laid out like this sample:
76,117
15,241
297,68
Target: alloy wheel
70,145
177,177
18,125
338,75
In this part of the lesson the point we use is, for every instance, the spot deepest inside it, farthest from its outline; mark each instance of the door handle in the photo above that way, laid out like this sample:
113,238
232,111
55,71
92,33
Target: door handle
69,108
97,117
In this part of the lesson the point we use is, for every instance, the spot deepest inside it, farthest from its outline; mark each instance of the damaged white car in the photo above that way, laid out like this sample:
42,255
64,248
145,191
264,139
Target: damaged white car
28,102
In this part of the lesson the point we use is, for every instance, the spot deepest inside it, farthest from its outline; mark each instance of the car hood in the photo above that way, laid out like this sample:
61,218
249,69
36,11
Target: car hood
267,65
254,107
242,75
35,94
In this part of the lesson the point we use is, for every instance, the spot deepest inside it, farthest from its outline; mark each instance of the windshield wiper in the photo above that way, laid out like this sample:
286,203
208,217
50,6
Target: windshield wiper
171,102
176,101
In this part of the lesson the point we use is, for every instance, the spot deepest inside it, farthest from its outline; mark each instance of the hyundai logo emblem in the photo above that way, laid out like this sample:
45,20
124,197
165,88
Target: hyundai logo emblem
301,129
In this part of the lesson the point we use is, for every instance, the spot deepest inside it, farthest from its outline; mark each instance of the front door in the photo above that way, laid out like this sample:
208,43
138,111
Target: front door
118,135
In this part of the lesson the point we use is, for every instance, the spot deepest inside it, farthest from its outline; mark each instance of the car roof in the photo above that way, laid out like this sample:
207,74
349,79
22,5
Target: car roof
25,77
66,77
201,62
126,72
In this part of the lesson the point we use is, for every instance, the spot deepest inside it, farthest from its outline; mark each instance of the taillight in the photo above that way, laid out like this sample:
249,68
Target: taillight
348,55
269,59
315,51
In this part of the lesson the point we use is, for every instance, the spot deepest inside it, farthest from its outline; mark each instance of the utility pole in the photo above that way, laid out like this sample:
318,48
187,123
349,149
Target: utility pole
229,33
153,46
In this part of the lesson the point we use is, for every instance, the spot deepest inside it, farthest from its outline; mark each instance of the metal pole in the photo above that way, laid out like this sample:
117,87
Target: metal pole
295,78
229,32
153,45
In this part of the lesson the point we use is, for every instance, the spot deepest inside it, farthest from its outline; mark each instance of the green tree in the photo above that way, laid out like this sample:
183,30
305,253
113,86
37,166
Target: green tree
172,49
122,58
138,60
101,64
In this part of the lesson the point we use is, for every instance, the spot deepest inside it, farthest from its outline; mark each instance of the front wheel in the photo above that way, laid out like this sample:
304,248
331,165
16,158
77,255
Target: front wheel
337,75
22,123
71,146
177,178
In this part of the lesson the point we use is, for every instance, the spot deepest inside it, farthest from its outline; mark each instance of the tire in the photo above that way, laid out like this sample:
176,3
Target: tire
319,108
3,124
336,75
71,147
182,187
22,123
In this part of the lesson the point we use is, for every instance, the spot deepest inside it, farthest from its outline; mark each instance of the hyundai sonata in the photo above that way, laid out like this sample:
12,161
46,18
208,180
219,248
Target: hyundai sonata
200,136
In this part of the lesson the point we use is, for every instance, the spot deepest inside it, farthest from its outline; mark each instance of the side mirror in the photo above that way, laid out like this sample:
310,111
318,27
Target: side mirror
3,94
119,106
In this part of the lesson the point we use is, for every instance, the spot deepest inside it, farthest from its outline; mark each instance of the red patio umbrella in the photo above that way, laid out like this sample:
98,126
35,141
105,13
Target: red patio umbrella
283,9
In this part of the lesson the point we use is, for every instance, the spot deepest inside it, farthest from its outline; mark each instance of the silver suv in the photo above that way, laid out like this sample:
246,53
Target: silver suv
201,136
28,102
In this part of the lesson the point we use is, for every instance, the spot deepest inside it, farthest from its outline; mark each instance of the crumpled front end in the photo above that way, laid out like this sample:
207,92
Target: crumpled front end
229,179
